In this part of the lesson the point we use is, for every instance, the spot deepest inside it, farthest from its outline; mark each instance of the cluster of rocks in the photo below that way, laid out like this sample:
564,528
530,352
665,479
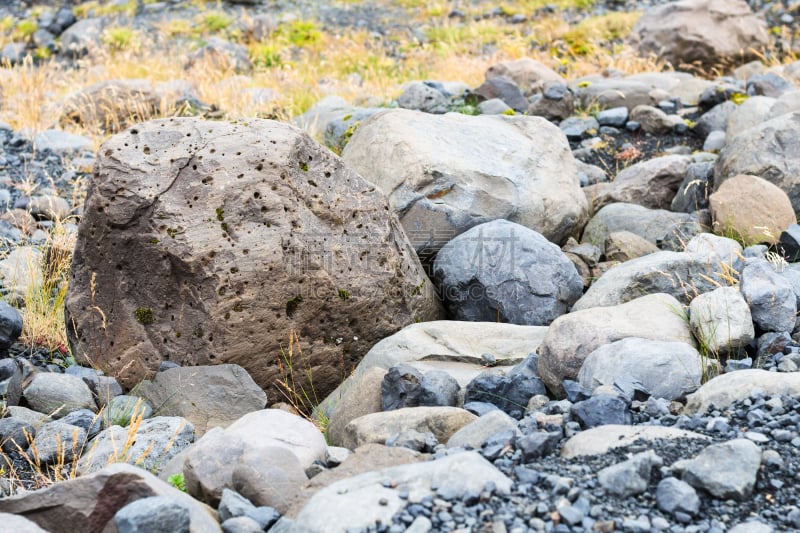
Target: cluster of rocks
620,351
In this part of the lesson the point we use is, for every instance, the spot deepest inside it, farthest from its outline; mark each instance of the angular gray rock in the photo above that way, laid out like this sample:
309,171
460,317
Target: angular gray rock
669,370
652,183
58,394
651,224
456,171
572,337
10,325
90,502
726,470
361,501
57,441
183,391
15,434
282,237
474,434
509,391
528,74
155,514
770,296
680,274
752,112
629,477
153,444
211,461
701,33
121,410
674,495
269,476
721,320
422,97
502,271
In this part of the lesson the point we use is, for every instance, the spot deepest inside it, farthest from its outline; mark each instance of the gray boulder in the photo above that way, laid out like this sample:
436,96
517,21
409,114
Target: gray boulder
183,391
152,444
726,470
681,274
725,389
451,174
505,89
474,434
721,320
57,441
58,394
651,224
601,410
608,93
674,495
752,112
600,440
443,422
696,187
630,477
121,410
10,325
715,119
668,370
770,296
572,337
269,476
510,391
15,434
82,37
652,183
506,272
341,127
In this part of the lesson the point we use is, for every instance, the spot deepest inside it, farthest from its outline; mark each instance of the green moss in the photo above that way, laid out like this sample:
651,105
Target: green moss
144,315
343,294
304,166
291,305
172,232
220,214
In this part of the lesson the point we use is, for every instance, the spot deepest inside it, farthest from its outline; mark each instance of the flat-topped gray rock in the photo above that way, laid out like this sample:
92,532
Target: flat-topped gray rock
730,387
601,439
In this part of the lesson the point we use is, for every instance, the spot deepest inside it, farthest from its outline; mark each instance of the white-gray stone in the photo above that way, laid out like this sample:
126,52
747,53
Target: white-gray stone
58,394
601,439
726,470
725,389
770,297
721,320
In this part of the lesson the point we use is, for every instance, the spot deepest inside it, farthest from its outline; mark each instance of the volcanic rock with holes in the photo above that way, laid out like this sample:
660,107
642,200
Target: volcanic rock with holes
701,33
445,174
209,242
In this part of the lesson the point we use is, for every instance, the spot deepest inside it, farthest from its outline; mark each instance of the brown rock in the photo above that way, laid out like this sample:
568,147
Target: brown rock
625,245
270,476
110,105
236,235
751,209
701,34
89,503
20,219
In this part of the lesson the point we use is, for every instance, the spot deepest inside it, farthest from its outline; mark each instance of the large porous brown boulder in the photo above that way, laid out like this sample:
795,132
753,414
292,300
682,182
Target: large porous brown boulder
751,209
89,503
701,34
212,242
445,174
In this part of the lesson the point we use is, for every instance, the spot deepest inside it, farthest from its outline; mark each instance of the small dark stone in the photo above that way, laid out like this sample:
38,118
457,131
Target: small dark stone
601,410
789,243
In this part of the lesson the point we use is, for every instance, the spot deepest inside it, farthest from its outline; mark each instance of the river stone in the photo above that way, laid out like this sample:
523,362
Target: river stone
156,514
236,233
701,34
505,272
726,470
455,347
474,434
721,320
572,337
725,389
57,441
652,183
88,503
58,394
752,112
153,443
681,274
650,224
447,173
668,370
768,151
211,461
183,391
770,296
528,74
359,502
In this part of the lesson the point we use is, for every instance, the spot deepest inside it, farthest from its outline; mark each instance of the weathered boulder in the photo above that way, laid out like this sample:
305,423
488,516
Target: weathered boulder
667,369
110,105
89,503
184,391
452,346
210,463
599,440
447,173
505,272
652,183
768,151
731,387
721,320
701,33
751,209
58,394
527,73
572,337
235,235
